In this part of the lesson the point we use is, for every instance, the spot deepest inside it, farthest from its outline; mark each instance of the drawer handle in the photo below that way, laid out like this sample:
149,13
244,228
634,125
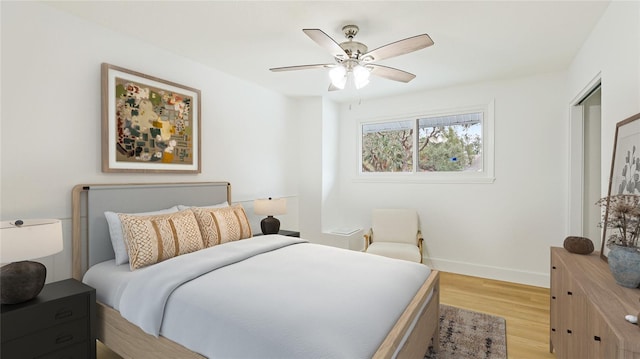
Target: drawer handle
596,338
553,329
570,293
554,267
553,297
569,331
64,339
64,314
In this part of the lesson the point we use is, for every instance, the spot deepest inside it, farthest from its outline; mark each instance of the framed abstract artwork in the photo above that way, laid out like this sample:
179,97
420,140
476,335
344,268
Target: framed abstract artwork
624,178
149,125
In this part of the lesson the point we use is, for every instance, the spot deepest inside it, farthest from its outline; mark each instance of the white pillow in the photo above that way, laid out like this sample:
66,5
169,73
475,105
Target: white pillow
224,204
117,236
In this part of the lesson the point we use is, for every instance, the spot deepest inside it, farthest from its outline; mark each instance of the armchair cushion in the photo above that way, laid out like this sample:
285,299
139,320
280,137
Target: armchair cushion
409,252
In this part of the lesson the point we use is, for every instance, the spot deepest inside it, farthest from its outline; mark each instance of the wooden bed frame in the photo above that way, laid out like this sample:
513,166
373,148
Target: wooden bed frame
409,338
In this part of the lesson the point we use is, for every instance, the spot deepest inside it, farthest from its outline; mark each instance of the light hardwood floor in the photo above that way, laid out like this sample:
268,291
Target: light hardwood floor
525,309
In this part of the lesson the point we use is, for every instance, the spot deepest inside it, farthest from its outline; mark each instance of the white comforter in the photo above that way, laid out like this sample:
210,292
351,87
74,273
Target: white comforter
273,297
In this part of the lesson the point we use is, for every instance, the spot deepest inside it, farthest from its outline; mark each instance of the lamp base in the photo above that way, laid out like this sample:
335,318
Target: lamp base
21,281
270,225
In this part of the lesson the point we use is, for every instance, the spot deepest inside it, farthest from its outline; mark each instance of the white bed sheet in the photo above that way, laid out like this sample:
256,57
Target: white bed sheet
322,302
109,280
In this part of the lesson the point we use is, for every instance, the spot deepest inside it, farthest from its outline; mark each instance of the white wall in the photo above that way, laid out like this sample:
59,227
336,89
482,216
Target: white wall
51,120
612,52
310,166
330,136
500,230
318,167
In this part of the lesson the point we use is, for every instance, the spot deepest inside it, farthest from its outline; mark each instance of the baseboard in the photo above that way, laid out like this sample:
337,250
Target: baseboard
498,273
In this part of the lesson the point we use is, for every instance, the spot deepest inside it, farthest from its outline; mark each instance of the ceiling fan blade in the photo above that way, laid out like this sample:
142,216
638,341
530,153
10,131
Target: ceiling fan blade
324,40
391,73
301,67
398,48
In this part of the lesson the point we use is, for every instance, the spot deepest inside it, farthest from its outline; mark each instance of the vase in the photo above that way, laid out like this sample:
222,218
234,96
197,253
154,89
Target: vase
624,263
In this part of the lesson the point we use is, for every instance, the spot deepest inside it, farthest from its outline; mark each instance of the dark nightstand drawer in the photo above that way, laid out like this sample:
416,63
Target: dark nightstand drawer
46,341
77,351
34,318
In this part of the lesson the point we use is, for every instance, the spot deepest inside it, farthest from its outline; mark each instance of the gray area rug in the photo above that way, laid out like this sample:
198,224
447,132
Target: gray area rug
470,335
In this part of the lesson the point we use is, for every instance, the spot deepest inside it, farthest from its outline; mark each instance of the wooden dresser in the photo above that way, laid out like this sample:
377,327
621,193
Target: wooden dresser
588,309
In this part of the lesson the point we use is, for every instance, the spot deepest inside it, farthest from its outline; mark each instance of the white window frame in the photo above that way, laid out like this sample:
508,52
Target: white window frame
485,176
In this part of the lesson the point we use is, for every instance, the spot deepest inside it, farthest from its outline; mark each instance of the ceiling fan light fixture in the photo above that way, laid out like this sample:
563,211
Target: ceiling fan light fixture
338,76
360,76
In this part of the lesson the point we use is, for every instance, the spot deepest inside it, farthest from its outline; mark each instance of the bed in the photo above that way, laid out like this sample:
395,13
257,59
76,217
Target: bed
238,298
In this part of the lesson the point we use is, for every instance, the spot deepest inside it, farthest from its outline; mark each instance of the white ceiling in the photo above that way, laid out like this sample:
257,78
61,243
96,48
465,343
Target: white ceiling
474,40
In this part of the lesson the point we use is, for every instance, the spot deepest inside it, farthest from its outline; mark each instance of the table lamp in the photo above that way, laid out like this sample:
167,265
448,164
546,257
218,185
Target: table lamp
20,241
270,207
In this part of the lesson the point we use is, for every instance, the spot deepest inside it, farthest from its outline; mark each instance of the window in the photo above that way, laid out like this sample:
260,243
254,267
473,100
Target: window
387,147
444,147
450,143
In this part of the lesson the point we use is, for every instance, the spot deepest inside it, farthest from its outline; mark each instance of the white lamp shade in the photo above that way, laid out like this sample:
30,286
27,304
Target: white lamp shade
338,76
360,76
35,238
269,206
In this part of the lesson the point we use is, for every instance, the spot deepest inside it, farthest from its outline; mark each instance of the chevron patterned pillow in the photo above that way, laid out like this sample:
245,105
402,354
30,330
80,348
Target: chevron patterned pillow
152,239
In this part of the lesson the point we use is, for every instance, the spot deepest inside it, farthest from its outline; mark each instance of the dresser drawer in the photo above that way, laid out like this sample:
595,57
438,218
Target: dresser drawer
31,319
46,341
77,351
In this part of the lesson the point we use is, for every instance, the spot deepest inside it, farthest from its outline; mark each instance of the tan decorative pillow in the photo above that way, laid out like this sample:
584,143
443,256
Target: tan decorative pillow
222,225
152,239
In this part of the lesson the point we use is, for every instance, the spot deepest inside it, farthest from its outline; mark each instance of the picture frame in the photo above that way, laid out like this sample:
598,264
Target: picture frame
623,178
149,125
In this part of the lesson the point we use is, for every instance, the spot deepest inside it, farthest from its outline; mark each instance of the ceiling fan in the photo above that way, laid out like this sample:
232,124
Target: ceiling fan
353,60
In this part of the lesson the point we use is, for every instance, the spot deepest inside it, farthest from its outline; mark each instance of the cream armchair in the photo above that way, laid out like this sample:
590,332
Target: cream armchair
395,233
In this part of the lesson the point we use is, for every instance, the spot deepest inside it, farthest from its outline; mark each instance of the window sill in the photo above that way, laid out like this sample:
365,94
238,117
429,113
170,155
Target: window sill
411,178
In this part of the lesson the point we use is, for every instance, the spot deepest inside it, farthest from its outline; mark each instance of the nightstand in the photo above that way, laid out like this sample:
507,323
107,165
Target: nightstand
58,323
283,232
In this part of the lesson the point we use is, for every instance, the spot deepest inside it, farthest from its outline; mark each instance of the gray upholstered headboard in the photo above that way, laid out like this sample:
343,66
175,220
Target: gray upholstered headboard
91,242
